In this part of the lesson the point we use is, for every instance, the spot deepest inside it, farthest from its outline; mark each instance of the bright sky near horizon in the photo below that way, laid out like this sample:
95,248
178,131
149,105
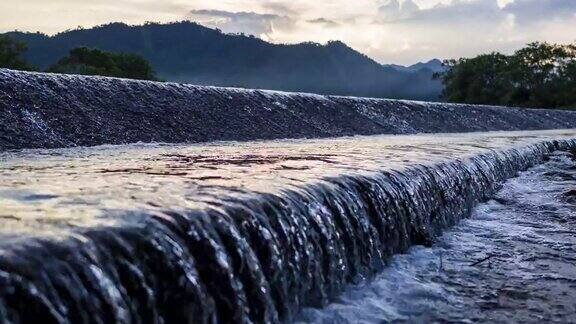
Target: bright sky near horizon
390,31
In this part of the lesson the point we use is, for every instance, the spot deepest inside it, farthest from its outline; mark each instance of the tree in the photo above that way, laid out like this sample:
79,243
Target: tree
87,61
476,81
10,54
539,75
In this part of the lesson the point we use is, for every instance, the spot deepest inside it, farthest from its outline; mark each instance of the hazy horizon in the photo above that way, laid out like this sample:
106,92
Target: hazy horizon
389,31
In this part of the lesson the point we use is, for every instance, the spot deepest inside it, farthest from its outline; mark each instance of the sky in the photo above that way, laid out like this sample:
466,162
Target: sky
389,31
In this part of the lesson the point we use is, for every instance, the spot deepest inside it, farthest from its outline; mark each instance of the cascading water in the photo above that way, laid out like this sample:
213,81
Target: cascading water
512,261
232,232
48,110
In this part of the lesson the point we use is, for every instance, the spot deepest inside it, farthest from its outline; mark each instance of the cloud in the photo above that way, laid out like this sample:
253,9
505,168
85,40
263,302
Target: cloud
530,11
391,31
323,21
262,25
394,10
525,12
442,13
390,9
463,28
280,8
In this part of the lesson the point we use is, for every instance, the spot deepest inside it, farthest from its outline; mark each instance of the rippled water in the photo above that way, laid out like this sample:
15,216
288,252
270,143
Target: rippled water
513,261
52,191
238,232
232,232
39,110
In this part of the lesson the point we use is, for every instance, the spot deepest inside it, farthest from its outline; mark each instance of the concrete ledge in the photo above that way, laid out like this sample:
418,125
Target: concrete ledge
232,232
48,111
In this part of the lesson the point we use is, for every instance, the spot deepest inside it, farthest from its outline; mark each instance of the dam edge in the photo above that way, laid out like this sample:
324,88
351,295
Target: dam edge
362,220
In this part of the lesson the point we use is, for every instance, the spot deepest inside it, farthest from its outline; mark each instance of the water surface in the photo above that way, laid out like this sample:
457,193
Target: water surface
514,260
235,232
51,191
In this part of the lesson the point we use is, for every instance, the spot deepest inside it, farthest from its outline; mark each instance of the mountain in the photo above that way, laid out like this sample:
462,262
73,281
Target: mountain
191,53
434,65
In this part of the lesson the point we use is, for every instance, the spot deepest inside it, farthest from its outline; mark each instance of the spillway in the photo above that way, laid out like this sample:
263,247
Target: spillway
512,261
233,231
49,111
283,202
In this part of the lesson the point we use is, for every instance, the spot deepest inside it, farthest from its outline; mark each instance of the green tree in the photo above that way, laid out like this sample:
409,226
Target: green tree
10,54
539,75
476,81
88,61
567,89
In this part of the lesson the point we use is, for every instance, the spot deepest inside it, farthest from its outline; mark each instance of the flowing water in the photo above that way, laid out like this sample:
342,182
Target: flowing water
513,261
234,232
39,110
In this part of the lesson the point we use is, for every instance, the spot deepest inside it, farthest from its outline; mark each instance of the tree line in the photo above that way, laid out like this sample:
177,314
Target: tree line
540,75
81,60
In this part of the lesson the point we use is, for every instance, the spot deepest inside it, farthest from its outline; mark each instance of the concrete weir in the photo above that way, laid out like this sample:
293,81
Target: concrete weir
49,111
230,231
249,231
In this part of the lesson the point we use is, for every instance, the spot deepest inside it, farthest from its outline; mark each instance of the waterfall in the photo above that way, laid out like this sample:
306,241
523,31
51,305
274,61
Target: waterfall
48,111
257,259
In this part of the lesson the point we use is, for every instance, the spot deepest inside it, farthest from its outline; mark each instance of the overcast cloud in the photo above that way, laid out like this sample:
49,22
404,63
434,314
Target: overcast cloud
250,23
391,31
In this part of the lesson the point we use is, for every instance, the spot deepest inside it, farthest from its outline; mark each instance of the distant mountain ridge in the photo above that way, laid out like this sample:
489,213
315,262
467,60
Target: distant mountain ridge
434,65
191,53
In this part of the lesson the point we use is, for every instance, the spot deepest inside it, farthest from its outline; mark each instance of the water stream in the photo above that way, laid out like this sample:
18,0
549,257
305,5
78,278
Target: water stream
40,110
514,260
234,232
